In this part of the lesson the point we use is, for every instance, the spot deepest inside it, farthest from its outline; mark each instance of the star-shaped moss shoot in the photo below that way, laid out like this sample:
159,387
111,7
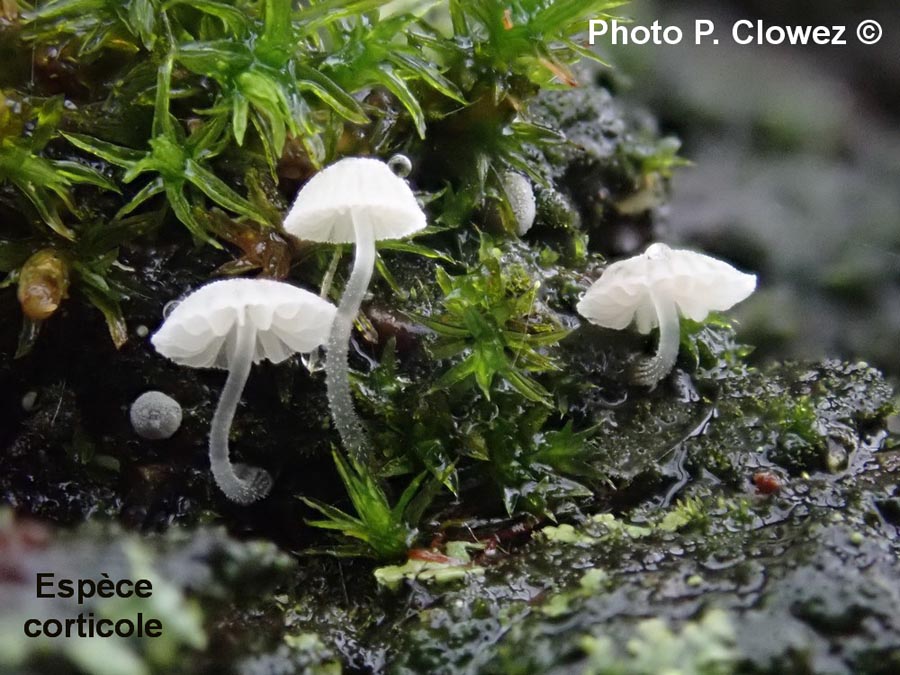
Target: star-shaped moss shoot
24,133
263,82
178,161
653,289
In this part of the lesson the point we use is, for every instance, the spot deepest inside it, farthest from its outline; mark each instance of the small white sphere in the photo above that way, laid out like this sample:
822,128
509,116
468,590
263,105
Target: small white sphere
155,416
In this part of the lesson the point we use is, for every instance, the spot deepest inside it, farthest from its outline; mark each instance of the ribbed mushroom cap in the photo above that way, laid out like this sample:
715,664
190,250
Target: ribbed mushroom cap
697,283
201,331
355,187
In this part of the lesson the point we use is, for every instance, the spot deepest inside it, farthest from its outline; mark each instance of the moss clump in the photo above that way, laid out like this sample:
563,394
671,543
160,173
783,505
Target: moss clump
489,315
800,446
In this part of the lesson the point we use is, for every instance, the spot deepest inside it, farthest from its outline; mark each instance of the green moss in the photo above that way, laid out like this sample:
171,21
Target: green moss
800,445
378,528
688,513
26,128
489,316
303,652
195,101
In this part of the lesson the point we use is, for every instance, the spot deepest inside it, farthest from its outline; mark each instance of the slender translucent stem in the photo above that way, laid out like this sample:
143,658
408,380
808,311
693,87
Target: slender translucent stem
652,370
337,372
240,483
313,363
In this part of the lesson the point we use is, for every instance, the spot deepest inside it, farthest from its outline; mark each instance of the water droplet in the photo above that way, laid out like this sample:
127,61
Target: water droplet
313,362
400,165
142,331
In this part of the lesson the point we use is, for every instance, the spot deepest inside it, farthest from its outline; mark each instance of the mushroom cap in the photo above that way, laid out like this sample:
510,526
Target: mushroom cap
697,283
202,329
355,187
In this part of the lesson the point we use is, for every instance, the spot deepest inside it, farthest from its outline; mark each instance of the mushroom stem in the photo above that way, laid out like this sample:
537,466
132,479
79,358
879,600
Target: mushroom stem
240,483
337,372
650,371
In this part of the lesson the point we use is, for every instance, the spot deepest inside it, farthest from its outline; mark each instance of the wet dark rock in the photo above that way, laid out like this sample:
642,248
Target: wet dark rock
805,575
597,168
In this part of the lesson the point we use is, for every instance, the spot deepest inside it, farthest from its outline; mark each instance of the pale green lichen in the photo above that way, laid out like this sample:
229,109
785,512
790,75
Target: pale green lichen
458,565
702,647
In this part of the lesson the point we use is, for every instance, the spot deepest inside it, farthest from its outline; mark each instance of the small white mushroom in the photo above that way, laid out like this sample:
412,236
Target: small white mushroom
520,196
233,324
155,416
360,201
653,289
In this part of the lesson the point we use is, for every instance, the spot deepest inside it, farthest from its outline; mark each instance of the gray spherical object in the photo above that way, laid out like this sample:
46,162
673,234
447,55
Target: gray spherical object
521,200
155,416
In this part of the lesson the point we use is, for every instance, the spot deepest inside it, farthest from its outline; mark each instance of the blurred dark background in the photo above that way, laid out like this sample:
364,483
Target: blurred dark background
796,168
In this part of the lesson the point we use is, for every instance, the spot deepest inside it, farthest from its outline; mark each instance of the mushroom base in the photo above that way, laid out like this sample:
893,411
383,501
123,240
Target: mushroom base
649,372
240,483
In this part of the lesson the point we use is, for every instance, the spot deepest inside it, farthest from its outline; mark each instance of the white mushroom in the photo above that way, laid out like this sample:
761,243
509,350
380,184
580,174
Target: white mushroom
233,324
653,289
155,416
360,201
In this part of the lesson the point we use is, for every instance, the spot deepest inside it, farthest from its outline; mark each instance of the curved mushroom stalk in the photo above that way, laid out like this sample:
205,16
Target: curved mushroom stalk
650,371
357,200
337,372
240,483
